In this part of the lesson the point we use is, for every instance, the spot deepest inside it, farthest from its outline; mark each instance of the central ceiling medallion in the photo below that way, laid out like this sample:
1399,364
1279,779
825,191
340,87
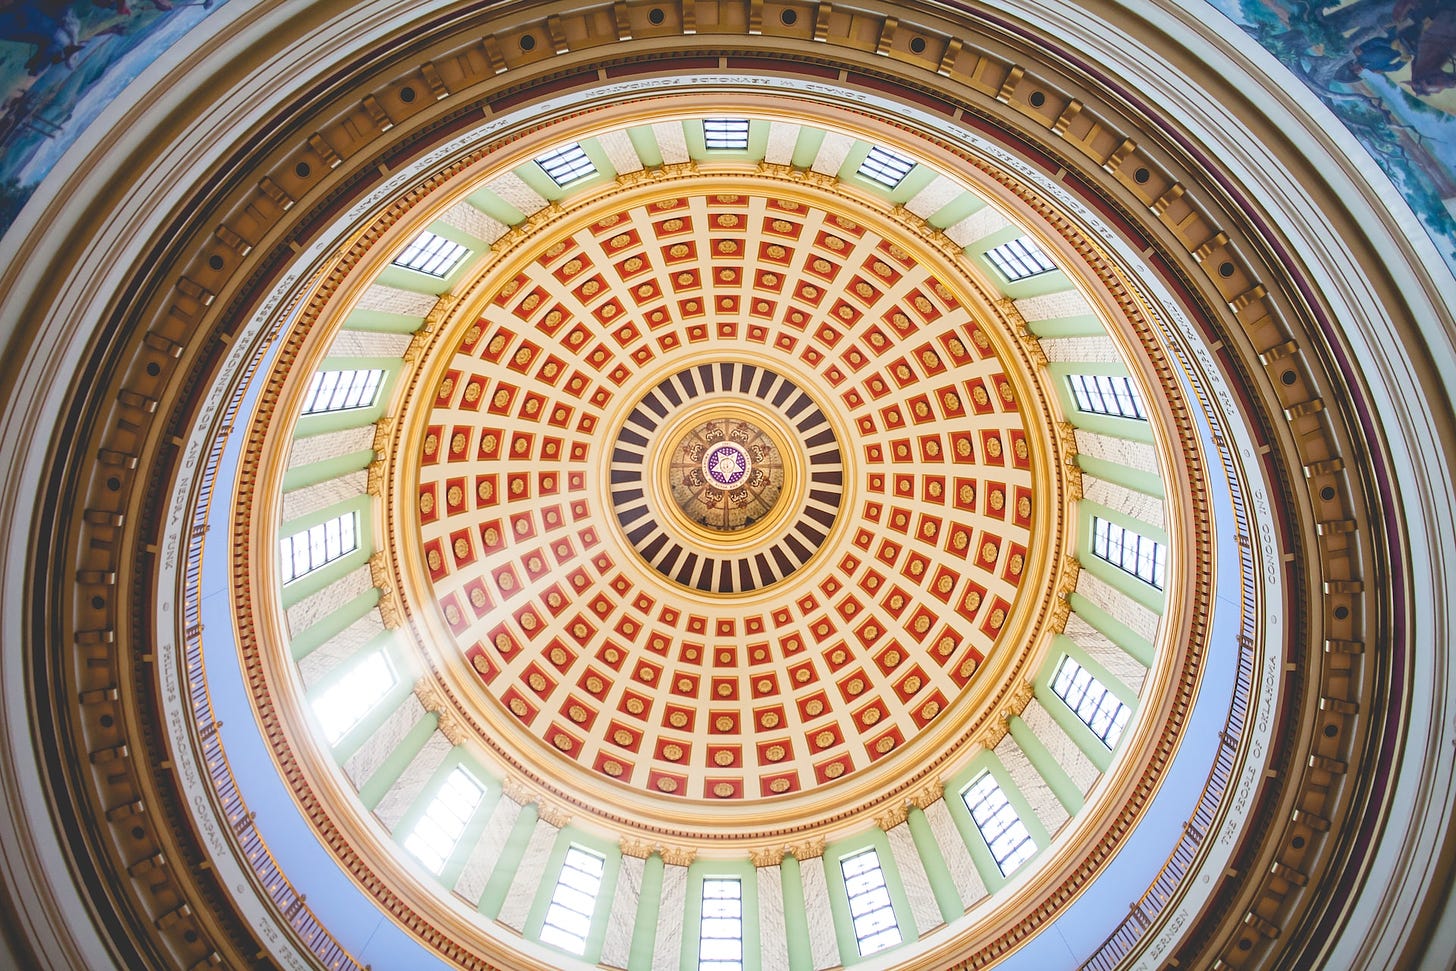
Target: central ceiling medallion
726,473
726,478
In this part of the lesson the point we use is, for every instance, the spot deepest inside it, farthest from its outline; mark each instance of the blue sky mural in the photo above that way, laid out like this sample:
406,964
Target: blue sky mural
1387,69
61,63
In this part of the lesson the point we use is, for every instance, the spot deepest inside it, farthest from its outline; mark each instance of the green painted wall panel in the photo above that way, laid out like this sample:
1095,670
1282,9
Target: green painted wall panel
959,208
806,148
796,916
942,884
393,767
302,476
382,322
645,142
1078,325
305,642
1046,766
649,907
495,207
499,883
1113,629
1135,479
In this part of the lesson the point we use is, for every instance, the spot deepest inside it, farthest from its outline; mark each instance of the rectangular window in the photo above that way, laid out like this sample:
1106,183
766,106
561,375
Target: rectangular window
306,551
568,919
875,927
567,164
1002,829
341,390
720,933
885,167
345,703
1130,552
725,133
1107,394
1019,259
432,255
435,834
1099,709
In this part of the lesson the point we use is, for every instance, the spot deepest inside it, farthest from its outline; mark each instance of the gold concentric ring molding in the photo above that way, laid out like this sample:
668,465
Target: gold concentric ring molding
525,766
999,673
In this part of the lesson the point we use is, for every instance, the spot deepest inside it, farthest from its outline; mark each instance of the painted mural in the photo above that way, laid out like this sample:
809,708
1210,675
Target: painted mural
1386,68
61,63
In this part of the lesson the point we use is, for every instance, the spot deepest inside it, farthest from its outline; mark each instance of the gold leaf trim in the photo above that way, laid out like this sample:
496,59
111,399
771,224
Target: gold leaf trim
767,856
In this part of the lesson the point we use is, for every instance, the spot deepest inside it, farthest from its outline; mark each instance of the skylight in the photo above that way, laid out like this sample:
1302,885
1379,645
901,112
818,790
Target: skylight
1002,829
1106,394
342,390
1019,259
432,255
720,932
345,703
725,133
567,164
1130,552
306,551
434,836
568,919
1099,709
885,167
875,927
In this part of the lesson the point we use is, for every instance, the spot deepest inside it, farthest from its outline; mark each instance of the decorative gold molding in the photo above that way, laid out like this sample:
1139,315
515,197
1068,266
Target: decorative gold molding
381,579
892,817
642,849
767,856
1067,441
549,812
1061,612
383,433
805,850
993,734
440,312
1071,573
1012,705
922,798
446,721
389,611
452,728
927,795
1016,325
1019,698
428,694
527,228
808,849
677,855
1072,477
377,474
1066,435
524,795
517,791
379,570
420,341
